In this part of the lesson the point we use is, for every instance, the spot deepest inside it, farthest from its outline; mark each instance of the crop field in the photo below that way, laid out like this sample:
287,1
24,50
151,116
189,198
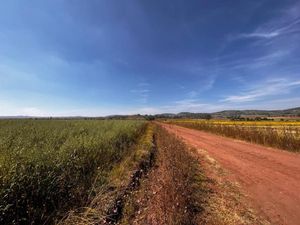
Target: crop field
86,172
278,134
48,167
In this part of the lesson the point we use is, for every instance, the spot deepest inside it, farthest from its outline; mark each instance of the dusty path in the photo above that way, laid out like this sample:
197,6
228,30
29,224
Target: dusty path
270,177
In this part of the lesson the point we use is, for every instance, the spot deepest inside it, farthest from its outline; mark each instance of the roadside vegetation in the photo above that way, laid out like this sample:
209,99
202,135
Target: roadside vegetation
48,167
171,195
107,206
221,200
278,134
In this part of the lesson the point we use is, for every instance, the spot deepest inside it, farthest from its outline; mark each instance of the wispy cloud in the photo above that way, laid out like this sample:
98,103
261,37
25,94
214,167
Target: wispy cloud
269,88
256,34
273,31
286,23
256,62
192,94
269,47
142,92
32,111
190,105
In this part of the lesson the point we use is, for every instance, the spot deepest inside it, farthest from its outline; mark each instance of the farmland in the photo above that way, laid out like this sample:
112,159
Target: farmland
268,177
278,134
84,172
49,166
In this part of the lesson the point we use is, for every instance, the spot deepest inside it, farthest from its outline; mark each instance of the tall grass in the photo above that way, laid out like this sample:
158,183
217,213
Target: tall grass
107,207
285,137
48,167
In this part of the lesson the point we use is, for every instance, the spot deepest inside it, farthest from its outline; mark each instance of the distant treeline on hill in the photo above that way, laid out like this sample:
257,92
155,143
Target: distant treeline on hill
294,112
228,114
187,115
232,114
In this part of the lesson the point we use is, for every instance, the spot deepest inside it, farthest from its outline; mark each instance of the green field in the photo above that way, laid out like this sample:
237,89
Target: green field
47,167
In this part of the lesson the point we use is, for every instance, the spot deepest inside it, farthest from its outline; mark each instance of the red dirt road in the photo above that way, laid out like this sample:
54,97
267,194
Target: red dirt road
270,177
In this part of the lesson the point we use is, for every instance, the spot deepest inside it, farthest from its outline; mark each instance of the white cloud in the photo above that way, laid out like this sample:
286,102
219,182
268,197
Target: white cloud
142,92
269,88
184,105
143,84
189,105
192,94
32,111
259,35
258,62
286,23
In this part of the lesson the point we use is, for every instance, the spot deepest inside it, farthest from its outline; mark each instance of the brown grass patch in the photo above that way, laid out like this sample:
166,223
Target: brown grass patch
169,196
222,201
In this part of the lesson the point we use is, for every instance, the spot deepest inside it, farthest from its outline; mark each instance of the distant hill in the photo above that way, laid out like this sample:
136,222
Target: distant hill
266,113
234,113
184,115
293,112
14,117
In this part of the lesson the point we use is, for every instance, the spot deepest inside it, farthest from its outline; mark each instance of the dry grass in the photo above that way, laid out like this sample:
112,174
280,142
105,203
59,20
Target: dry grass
169,196
287,137
221,199
260,123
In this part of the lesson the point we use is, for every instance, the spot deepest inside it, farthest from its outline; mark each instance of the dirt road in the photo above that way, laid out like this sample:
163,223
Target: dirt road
270,177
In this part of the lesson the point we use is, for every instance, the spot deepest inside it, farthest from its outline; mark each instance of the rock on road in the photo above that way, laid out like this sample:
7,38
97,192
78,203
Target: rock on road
270,177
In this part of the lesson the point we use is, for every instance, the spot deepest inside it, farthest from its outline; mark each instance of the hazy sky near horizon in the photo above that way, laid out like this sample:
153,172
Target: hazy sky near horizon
100,57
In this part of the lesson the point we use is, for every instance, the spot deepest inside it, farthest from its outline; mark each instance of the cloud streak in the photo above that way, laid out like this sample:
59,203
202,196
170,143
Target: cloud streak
285,24
142,92
273,87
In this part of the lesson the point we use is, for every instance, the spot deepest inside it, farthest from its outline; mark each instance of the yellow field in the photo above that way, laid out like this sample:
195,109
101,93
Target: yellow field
279,134
242,123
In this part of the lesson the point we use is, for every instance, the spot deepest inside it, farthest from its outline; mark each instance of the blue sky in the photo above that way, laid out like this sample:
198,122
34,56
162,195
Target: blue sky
101,57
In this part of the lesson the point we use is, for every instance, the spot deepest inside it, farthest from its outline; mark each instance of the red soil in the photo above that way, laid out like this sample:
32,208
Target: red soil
269,177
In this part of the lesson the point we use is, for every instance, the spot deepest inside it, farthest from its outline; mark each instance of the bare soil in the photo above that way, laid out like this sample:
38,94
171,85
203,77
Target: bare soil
269,177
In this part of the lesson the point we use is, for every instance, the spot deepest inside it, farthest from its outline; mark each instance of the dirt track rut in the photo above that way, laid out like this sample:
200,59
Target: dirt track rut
270,177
